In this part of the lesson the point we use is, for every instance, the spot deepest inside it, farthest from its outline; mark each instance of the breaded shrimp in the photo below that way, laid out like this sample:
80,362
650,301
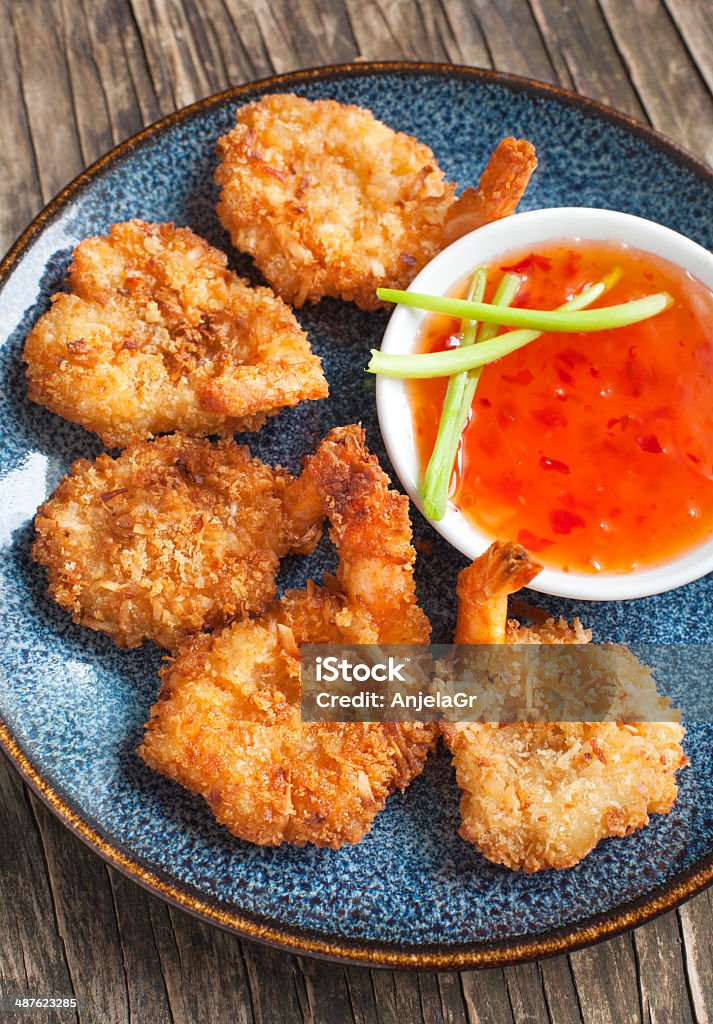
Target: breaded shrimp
156,334
227,723
330,201
173,536
538,796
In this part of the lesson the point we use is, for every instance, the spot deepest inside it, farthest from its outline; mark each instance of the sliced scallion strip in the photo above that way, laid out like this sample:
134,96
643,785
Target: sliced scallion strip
535,319
445,364
456,405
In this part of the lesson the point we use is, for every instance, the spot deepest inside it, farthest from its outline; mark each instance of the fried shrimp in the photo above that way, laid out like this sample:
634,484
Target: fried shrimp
330,201
227,723
156,335
174,536
538,796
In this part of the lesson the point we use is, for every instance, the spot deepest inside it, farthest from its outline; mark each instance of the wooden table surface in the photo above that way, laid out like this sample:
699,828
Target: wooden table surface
77,77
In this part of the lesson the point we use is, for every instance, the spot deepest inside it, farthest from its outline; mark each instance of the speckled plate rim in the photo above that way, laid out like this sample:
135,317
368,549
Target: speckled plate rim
359,952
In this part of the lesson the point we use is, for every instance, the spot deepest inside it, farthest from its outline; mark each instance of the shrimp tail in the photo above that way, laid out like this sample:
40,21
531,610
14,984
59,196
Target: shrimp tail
499,190
483,590
371,531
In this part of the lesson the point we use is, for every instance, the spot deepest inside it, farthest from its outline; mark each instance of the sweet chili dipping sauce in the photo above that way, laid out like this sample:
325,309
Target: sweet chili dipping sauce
594,451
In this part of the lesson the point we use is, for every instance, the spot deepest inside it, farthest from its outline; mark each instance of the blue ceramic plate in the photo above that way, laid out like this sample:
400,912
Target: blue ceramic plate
72,706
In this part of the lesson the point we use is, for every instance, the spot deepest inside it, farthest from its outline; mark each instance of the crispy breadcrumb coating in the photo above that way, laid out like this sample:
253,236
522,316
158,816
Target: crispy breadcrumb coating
227,724
156,335
538,796
543,796
330,201
173,536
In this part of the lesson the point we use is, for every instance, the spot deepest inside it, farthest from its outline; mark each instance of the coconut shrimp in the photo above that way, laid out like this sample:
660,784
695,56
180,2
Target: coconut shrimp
329,201
156,334
538,796
227,724
173,536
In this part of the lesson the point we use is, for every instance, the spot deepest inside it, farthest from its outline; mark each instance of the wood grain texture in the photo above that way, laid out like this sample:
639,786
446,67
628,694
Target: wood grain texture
585,55
672,90
75,78
694,21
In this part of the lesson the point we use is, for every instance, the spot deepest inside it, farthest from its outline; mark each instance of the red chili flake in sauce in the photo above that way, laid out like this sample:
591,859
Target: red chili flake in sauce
564,521
634,374
572,357
554,464
523,377
623,420
550,417
532,542
649,443
528,263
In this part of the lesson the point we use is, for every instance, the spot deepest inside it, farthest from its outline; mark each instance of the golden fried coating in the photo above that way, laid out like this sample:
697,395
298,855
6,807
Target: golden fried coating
173,536
543,796
156,335
227,724
330,201
538,796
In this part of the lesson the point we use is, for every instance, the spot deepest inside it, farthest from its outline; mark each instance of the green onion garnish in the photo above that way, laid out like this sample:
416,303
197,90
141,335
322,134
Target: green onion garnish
458,400
454,416
445,364
535,319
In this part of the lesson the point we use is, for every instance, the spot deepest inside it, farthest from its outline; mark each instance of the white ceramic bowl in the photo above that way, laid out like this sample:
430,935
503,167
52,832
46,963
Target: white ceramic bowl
522,230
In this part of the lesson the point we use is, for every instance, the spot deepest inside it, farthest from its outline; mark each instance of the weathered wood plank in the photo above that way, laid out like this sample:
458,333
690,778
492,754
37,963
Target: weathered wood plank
514,40
86,920
486,997
394,31
276,984
671,88
361,995
453,1005
327,991
47,95
263,36
527,995
694,20
479,34
429,998
560,991
696,919
121,69
20,196
32,956
310,33
203,970
89,102
173,76
146,989
606,982
661,974
397,997
584,54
